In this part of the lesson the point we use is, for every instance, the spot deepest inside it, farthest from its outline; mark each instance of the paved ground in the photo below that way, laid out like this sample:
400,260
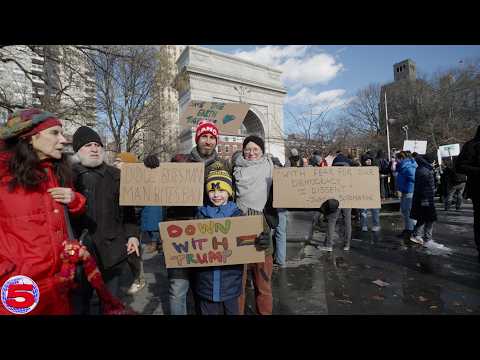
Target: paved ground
413,280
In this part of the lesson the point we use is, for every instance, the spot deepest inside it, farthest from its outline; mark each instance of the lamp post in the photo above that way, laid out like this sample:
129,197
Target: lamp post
405,128
386,122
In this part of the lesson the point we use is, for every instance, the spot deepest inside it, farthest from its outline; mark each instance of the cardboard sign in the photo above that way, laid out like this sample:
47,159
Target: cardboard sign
227,116
418,146
449,150
171,184
211,242
309,187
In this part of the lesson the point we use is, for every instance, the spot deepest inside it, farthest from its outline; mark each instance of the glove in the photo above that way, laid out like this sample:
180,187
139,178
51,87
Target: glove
151,162
262,242
329,206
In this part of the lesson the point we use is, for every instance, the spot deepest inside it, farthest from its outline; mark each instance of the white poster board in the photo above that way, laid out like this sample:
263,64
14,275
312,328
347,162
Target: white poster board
449,150
418,146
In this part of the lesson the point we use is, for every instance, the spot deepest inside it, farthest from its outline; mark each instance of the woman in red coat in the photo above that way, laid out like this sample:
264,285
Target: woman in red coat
34,189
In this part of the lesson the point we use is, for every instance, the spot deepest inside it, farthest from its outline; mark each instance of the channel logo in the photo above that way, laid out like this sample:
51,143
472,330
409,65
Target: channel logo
20,295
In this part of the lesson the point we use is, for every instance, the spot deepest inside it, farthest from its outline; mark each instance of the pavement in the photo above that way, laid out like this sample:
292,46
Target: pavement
379,275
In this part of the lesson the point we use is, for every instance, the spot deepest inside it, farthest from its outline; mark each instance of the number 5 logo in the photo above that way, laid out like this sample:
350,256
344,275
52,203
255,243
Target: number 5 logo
20,294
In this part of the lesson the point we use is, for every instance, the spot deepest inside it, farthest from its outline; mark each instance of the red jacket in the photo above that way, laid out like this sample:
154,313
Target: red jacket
32,229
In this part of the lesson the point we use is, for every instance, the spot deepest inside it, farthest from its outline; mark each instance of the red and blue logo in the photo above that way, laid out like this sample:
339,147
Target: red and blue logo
20,294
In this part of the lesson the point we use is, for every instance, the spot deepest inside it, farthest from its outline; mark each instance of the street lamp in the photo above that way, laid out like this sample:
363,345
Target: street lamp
405,128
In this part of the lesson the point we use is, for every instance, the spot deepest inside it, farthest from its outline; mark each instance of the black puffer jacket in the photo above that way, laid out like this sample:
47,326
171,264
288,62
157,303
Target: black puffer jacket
468,163
423,204
109,224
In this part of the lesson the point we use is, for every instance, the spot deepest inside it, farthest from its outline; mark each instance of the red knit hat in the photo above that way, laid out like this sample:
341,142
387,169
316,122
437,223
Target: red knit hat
25,123
206,127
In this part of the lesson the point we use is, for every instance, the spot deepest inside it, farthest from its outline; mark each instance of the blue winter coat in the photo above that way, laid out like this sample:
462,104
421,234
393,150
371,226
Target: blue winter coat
406,175
150,217
218,283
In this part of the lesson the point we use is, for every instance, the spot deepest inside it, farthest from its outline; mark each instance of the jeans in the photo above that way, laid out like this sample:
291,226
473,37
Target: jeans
347,228
424,229
455,190
229,307
405,208
281,237
262,282
177,294
375,217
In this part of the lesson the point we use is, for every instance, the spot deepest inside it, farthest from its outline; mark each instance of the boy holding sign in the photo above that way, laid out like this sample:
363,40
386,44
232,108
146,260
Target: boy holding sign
218,288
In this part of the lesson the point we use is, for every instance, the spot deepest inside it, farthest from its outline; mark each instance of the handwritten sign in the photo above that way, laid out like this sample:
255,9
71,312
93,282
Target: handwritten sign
211,242
418,146
227,116
309,187
449,150
171,184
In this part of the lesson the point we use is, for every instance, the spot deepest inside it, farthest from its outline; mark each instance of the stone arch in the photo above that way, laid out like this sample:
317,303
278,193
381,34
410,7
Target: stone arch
252,125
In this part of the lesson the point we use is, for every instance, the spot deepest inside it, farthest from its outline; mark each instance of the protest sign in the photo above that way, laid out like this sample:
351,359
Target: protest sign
449,150
418,146
170,184
211,242
309,187
227,116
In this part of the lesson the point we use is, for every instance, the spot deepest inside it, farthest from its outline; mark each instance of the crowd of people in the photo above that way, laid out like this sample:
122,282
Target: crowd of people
62,224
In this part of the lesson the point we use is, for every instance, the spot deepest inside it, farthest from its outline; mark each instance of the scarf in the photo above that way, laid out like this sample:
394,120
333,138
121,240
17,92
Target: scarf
196,157
253,179
65,278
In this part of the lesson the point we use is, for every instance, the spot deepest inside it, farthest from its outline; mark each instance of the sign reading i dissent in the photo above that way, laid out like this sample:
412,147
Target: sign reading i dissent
211,242
171,184
309,187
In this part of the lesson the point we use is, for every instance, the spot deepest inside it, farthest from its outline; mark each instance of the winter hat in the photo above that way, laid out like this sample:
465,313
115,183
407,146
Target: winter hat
221,180
255,139
206,127
430,157
25,123
85,135
127,157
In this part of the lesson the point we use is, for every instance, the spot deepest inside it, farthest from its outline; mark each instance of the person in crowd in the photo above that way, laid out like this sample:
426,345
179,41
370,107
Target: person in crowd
455,185
468,163
340,160
218,288
294,160
423,204
317,159
406,167
206,139
134,262
384,171
280,248
112,229
252,174
393,178
375,212
35,192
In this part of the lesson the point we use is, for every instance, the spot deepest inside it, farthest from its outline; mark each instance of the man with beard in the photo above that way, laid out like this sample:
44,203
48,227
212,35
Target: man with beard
468,163
112,229
206,138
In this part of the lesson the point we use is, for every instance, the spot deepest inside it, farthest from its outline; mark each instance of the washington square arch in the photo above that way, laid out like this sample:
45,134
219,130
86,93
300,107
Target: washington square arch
217,77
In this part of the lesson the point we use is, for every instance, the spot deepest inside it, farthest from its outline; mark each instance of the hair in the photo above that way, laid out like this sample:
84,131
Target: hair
401,155
24,166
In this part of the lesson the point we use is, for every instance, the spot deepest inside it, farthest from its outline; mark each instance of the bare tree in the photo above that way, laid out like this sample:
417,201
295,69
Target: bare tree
126,93
363,111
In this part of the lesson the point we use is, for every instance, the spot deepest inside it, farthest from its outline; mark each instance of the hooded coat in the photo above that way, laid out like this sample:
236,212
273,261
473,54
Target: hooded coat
32,232
406,175
468,163
423,203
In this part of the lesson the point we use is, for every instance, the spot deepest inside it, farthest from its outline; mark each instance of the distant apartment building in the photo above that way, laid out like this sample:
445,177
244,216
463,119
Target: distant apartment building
69,88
